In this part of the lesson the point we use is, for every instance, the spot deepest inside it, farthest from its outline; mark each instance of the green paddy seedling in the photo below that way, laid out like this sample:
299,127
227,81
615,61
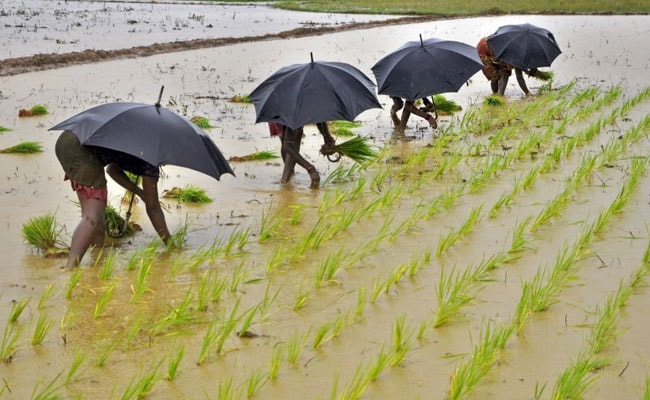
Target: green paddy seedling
174,363
262,155
77,361
49,391
17,308
277,356
255,381
43,233
4,129
295,345
42,328
189,194
72,283
103,300
202,122
45,296
10,336
23,148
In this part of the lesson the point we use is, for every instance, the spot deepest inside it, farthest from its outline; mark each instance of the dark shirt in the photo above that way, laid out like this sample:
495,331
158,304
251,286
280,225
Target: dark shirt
128,162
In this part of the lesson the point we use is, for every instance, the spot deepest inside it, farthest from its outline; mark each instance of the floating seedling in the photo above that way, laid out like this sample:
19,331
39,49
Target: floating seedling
244,98
36,110
23,148
202,122
189,194
263,155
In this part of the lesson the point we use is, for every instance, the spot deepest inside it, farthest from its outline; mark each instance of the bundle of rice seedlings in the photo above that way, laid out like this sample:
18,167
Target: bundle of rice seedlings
257,156
494,100
544,76
445,106
24,148
202,122
241,99
342,128
190,194
356,149
43,234
36,110
4,129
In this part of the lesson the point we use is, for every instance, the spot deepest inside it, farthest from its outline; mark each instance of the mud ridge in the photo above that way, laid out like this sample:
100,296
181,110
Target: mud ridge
41,62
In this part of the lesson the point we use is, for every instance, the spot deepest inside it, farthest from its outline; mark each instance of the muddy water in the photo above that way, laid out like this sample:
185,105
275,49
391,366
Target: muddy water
596,51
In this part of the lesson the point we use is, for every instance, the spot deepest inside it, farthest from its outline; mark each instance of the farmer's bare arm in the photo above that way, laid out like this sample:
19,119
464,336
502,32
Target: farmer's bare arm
120,177
324,130
152,204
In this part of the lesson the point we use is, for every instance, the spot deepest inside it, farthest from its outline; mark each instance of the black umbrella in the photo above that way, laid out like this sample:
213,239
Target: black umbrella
423,68
525,46
317,91
149,132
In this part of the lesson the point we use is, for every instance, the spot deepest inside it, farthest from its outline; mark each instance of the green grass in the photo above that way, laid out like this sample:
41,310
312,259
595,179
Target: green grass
189,194
467,7
23,148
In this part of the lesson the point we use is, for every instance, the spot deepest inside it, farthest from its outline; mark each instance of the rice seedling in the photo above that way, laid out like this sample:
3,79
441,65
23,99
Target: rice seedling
519,242
174,363
326,271
357,385
321,335
72,283
42,328
277,356
494,101
139,387
114,222
255,381
226,327
23,148
574,381
402,341
378,287
295,345
342,128
300,299
49,391
380,364
244,98
106,352
17,308
646,390
108,264
43,233
102,301
356,149
68,319
263,155
77,361
209,339
45,296
140,286
540,75
177,238
4,129
361,302
189,194
238,239
246,321
537,295
178,314
453,291
270,225
10,336
485,354
201,122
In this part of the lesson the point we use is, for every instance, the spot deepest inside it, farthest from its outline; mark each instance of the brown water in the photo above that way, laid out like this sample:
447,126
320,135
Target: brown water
597,51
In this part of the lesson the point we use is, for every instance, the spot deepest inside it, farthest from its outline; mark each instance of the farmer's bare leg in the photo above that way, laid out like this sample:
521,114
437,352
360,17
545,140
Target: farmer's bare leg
397,105
503,83
495,86
291,145
522,82
89,232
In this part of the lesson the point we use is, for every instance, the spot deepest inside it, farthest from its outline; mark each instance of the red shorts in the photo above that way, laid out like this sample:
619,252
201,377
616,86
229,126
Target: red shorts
89,192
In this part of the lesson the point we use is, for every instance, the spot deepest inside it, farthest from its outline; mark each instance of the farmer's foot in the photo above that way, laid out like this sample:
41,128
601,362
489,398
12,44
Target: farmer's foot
315,177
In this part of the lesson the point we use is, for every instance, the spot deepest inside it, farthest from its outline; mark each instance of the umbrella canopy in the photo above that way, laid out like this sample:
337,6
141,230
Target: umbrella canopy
423,68
525,46
149,132
317,91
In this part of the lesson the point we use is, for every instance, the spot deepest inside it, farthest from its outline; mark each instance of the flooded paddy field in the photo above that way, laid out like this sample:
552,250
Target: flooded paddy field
411,277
